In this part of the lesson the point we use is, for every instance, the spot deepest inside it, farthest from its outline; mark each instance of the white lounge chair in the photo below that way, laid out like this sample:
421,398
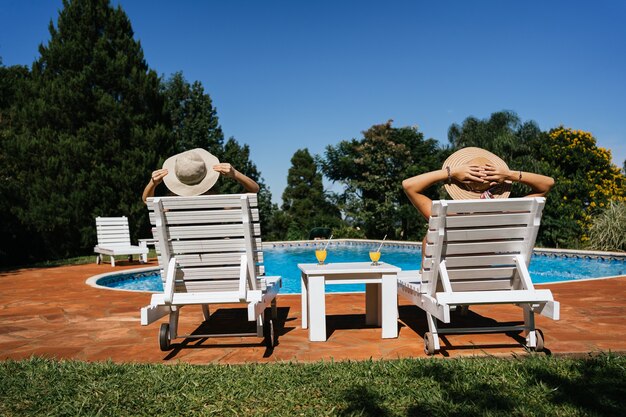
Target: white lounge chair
478,252
114,239
209,251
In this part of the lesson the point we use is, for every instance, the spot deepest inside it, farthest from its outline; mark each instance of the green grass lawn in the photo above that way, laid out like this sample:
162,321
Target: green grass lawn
534,385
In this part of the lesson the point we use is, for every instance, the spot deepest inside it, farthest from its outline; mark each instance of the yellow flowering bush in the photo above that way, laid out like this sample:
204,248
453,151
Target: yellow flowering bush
588,180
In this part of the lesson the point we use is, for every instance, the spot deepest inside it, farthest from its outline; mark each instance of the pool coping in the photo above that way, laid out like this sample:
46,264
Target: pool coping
93,281
591,254
580,253
569,253
340,242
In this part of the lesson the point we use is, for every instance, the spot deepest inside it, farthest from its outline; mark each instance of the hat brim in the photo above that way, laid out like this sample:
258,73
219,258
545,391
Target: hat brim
463,191
173,183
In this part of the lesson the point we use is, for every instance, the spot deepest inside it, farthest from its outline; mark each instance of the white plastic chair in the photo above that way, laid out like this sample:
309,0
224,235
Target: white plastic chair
114,239
210,252
478,252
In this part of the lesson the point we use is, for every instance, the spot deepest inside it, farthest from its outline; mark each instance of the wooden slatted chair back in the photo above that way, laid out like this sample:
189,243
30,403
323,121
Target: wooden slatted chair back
112,231
208,235
479,240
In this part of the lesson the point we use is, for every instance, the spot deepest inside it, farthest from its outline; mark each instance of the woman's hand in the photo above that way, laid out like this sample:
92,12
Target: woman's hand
464,173
226,169
494,174
158,175
155,179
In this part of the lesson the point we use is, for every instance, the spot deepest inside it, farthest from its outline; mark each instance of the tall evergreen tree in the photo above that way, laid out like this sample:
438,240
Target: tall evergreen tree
194,119
304,201
87,132
12,80
11,85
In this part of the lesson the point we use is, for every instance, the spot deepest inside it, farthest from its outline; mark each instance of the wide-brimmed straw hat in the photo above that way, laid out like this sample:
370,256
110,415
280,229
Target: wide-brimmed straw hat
469,189
191,172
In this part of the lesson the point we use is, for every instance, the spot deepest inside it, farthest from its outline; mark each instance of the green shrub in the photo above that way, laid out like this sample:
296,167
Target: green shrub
608,229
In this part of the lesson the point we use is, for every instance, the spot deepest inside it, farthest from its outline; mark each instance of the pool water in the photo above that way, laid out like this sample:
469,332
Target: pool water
284,261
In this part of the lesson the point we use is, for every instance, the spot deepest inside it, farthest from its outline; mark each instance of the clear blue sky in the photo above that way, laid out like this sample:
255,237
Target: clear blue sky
286,75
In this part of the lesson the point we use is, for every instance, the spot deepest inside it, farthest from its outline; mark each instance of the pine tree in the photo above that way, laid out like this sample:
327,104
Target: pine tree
14,240
304,201
88,131
194,119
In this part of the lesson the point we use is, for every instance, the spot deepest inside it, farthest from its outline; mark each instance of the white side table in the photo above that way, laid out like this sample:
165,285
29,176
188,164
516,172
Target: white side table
381,294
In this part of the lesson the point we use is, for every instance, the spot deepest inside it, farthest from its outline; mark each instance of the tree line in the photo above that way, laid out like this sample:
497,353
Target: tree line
83,127
586,207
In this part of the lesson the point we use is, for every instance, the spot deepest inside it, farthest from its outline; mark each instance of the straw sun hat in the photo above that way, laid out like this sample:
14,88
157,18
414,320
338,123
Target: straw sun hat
472,190
191,172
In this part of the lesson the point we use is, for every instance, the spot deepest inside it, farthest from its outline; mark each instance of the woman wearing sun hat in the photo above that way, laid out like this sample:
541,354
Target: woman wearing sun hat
473,173
194,172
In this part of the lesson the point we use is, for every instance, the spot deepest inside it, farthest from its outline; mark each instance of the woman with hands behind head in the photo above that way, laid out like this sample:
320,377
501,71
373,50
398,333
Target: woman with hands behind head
472,173
194,172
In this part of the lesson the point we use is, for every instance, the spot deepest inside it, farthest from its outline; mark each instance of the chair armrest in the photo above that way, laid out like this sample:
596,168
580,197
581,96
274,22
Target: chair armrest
445,278
168,291
524,275
243,278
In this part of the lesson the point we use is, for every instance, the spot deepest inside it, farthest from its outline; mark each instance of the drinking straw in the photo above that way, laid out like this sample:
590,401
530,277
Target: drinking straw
331,236
381,243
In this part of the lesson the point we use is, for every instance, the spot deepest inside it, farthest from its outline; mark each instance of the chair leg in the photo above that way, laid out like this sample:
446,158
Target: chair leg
259,324
274,309
174,322
205,312
432,328
529,327
112,260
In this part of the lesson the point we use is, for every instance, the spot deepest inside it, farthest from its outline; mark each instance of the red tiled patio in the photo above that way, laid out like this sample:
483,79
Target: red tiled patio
52,312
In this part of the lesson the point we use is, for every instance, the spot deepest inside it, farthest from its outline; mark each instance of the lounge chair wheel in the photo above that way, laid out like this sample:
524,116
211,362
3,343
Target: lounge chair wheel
164,337
539,336
429,344
270,336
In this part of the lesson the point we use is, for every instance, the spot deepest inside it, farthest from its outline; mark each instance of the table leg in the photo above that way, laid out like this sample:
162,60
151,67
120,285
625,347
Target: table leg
304,298
317,309
390,306
372,305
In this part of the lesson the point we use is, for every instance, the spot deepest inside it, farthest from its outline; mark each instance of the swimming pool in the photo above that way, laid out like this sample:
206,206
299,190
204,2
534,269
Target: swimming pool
283,261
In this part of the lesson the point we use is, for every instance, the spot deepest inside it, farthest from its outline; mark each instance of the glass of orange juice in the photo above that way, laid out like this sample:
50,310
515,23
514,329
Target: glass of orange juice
375,257
320,254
